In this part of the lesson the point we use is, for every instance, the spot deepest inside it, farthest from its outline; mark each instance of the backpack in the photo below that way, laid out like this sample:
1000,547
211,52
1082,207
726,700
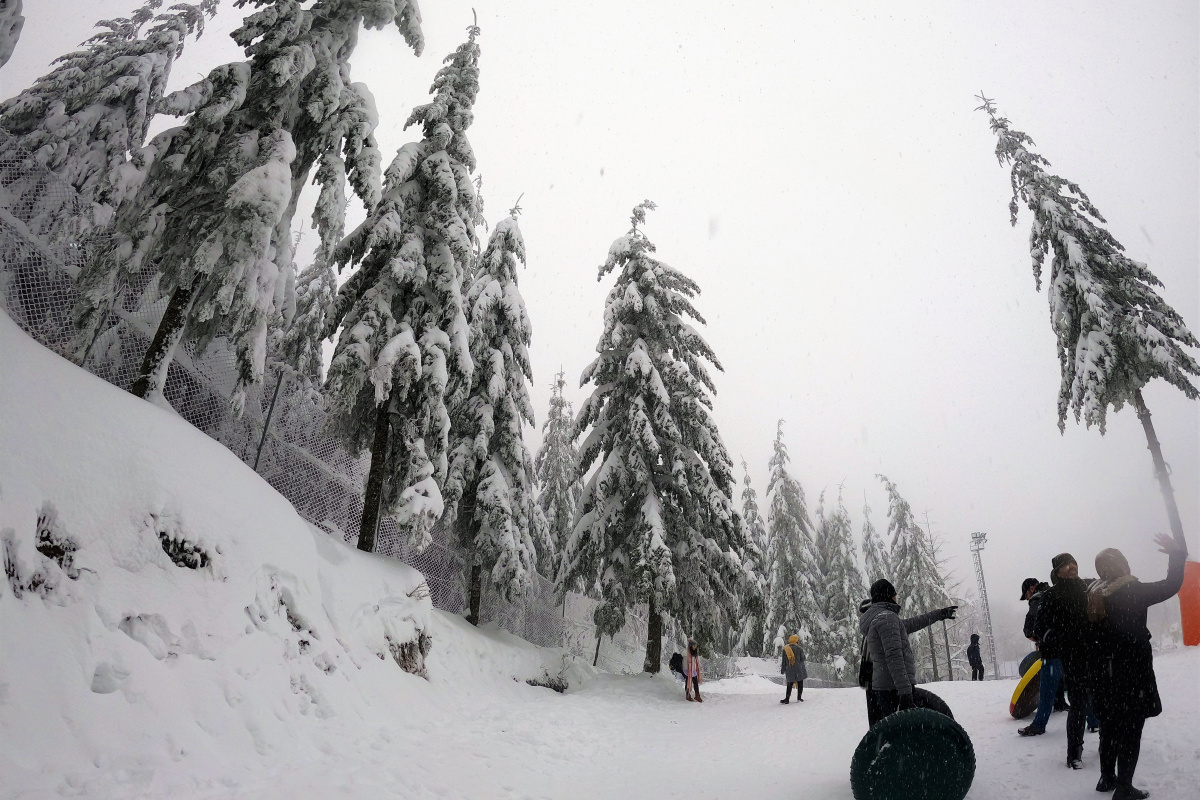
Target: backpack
866,668
676,663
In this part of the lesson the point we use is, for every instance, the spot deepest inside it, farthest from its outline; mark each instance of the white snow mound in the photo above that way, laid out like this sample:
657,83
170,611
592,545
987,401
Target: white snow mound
189,632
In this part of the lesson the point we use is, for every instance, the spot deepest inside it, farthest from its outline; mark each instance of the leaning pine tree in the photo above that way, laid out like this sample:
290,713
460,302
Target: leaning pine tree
656,522
211,215
489,489
915,571
791,562
1115,333
557,478
403,357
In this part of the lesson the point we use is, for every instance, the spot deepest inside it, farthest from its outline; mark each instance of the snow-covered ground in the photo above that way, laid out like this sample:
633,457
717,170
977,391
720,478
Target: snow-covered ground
269,672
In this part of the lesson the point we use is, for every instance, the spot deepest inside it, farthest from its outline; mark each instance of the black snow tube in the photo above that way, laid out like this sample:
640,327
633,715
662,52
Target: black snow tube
916,754
1027,662
923,698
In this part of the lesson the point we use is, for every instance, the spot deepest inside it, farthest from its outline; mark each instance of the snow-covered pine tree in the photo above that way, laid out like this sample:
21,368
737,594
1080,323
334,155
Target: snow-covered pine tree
1115,333
656,520
11,22
215,197
835,637
489,487
555,466
403,358
915,572
750,636
875,558
791,561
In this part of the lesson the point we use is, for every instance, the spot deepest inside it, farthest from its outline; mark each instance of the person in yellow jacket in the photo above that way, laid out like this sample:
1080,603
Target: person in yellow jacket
793,669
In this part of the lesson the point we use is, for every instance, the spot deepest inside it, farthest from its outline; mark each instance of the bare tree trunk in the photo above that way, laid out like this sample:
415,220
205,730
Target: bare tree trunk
267,421
653,663
476,590
596,657
153,373
1160,468
374,493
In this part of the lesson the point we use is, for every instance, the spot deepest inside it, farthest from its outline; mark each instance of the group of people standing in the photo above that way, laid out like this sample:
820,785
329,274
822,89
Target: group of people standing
1091,635
1095,647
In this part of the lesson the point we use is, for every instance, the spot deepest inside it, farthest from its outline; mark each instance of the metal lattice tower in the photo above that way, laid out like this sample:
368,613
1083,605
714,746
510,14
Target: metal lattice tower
978,539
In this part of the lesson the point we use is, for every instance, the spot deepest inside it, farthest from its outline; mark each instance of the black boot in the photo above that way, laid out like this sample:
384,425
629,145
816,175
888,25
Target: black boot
1130,792
1107,783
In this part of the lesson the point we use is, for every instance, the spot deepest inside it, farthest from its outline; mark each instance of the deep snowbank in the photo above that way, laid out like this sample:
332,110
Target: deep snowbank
188,631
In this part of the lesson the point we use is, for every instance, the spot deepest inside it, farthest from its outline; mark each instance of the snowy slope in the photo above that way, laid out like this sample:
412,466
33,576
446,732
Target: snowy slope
145,679
140,675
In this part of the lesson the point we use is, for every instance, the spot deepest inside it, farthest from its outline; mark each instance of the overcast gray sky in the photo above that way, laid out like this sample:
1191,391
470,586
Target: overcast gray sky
821,171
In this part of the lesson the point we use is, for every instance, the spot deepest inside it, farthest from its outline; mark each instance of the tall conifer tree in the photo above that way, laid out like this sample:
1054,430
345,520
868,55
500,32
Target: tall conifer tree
403,357
836,636
656,520
791,561
750,638
489,487
556,466
915,572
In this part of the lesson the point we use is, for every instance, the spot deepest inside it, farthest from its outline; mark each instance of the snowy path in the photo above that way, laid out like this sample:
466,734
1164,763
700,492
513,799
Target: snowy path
634,737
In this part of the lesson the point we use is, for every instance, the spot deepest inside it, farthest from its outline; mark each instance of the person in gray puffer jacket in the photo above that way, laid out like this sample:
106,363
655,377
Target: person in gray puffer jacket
893,670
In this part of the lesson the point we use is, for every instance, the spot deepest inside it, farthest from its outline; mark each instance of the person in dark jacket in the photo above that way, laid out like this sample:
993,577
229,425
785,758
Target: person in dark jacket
793,670
1122,664
894,671
975,659
1062,629
1052,694
1031,592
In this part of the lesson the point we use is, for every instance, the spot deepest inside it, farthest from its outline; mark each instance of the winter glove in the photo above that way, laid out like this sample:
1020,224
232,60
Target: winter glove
948,612
906,701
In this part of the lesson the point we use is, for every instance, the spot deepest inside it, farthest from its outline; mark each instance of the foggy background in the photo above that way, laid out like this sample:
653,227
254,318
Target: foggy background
821,171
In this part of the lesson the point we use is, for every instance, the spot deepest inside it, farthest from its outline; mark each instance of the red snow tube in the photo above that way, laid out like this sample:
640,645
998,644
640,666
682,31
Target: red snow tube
1189,603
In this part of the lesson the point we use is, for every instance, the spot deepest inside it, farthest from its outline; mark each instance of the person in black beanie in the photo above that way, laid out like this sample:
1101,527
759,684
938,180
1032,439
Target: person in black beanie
894,671
1064,635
